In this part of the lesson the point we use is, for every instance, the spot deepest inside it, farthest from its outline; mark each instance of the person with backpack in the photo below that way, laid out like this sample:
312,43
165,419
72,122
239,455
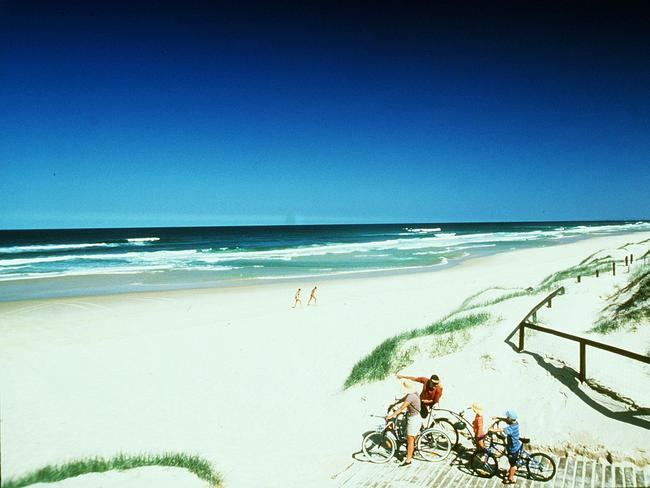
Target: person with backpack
431,391
411,404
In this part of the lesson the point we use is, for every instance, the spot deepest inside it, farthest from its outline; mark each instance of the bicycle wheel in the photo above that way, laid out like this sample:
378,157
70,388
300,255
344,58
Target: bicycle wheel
540,466
484,464
433,445
495,444
448,428
378,447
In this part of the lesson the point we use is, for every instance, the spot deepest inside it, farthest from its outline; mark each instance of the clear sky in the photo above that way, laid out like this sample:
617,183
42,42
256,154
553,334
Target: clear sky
130,114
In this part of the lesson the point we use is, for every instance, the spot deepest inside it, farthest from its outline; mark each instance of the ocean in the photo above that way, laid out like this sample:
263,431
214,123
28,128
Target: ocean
75,262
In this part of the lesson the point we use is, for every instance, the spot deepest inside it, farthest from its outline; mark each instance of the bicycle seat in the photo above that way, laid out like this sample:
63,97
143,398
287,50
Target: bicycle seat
524,440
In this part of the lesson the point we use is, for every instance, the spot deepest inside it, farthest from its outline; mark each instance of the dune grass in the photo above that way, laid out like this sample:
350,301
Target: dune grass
384,359
468,305
51,473
389,357
630,305
502,298
602,264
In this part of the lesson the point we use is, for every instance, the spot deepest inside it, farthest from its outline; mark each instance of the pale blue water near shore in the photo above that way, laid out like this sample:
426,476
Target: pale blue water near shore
51,263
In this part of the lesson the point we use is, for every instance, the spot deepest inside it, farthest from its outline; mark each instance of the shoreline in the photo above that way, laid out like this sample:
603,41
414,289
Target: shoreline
117,281
159,371
345,276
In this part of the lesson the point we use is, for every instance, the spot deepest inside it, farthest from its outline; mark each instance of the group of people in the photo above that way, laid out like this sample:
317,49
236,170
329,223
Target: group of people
418,406
298,301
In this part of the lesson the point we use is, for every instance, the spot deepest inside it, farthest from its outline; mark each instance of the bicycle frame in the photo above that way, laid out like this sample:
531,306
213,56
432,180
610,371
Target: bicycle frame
393,428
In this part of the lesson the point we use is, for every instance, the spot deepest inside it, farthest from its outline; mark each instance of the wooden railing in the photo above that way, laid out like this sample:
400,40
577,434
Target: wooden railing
583,342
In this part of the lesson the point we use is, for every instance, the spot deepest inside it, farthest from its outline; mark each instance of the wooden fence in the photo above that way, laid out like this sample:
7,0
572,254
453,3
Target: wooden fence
583,342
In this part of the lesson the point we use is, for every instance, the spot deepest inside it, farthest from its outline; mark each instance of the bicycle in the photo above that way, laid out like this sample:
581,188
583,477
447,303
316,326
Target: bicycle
381,444
461,428
539,466
431,421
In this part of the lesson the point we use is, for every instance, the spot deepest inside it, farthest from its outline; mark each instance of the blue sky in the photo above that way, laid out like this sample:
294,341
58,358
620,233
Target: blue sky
125,115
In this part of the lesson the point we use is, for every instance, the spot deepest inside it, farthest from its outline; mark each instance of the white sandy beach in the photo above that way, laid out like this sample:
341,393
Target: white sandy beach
237,376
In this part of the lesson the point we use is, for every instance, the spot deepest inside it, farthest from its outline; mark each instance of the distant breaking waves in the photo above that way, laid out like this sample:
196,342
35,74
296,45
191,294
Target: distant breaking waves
54,263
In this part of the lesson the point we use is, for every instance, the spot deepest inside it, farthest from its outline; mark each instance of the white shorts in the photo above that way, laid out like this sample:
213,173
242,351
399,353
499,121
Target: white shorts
413,425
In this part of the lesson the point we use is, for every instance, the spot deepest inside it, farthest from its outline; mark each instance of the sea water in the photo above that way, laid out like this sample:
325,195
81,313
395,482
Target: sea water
50,263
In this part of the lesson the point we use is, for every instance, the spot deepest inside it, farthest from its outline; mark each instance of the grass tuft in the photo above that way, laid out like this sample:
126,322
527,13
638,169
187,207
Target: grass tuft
386,359
469,305
630,305
583,269
52,473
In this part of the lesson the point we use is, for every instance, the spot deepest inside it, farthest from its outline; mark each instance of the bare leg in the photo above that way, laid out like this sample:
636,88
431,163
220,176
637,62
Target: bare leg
410,447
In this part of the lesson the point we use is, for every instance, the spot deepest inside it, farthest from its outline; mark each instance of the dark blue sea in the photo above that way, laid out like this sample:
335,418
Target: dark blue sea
50,263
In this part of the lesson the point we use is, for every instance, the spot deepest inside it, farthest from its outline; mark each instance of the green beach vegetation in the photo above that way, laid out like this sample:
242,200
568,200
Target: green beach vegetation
587,267
385,358
51,473
629,307
397,352
449,335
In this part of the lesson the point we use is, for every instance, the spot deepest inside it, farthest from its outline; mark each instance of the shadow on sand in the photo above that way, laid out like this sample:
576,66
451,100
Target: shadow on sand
569,378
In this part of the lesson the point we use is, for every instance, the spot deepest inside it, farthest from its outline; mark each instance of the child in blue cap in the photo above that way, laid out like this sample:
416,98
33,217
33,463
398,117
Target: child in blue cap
513,446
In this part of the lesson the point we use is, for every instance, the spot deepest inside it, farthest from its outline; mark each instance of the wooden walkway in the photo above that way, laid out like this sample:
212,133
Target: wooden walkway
571,473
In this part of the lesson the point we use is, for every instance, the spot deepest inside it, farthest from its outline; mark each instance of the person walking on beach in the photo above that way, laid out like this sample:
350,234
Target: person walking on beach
431,391
312,295
513,445
412,405
296,299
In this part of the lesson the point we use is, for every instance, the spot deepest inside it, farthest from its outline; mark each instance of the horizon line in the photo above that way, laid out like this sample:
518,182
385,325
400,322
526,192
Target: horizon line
629,220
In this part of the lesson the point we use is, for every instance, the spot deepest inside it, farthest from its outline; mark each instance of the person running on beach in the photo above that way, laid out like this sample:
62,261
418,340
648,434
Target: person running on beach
312,296
296,299
477,424
431,391
412,405
513,445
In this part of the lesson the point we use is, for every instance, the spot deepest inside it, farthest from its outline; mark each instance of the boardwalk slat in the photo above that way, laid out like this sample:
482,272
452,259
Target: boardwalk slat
352,473
472,482
640,479
440,473
443,481
458,479
485,483
589,474
579,477
560,474
618,476
493,482
377,475
599,475
523,482
385,478
421,472
570,473
609,476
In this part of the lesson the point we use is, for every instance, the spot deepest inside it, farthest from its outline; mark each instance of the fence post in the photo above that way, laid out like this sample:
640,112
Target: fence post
631,258
596,273
583,363
613,268
548,304
625,260
578,278
521,337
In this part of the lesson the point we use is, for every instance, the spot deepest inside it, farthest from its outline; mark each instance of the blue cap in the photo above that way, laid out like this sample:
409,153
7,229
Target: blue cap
511,414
